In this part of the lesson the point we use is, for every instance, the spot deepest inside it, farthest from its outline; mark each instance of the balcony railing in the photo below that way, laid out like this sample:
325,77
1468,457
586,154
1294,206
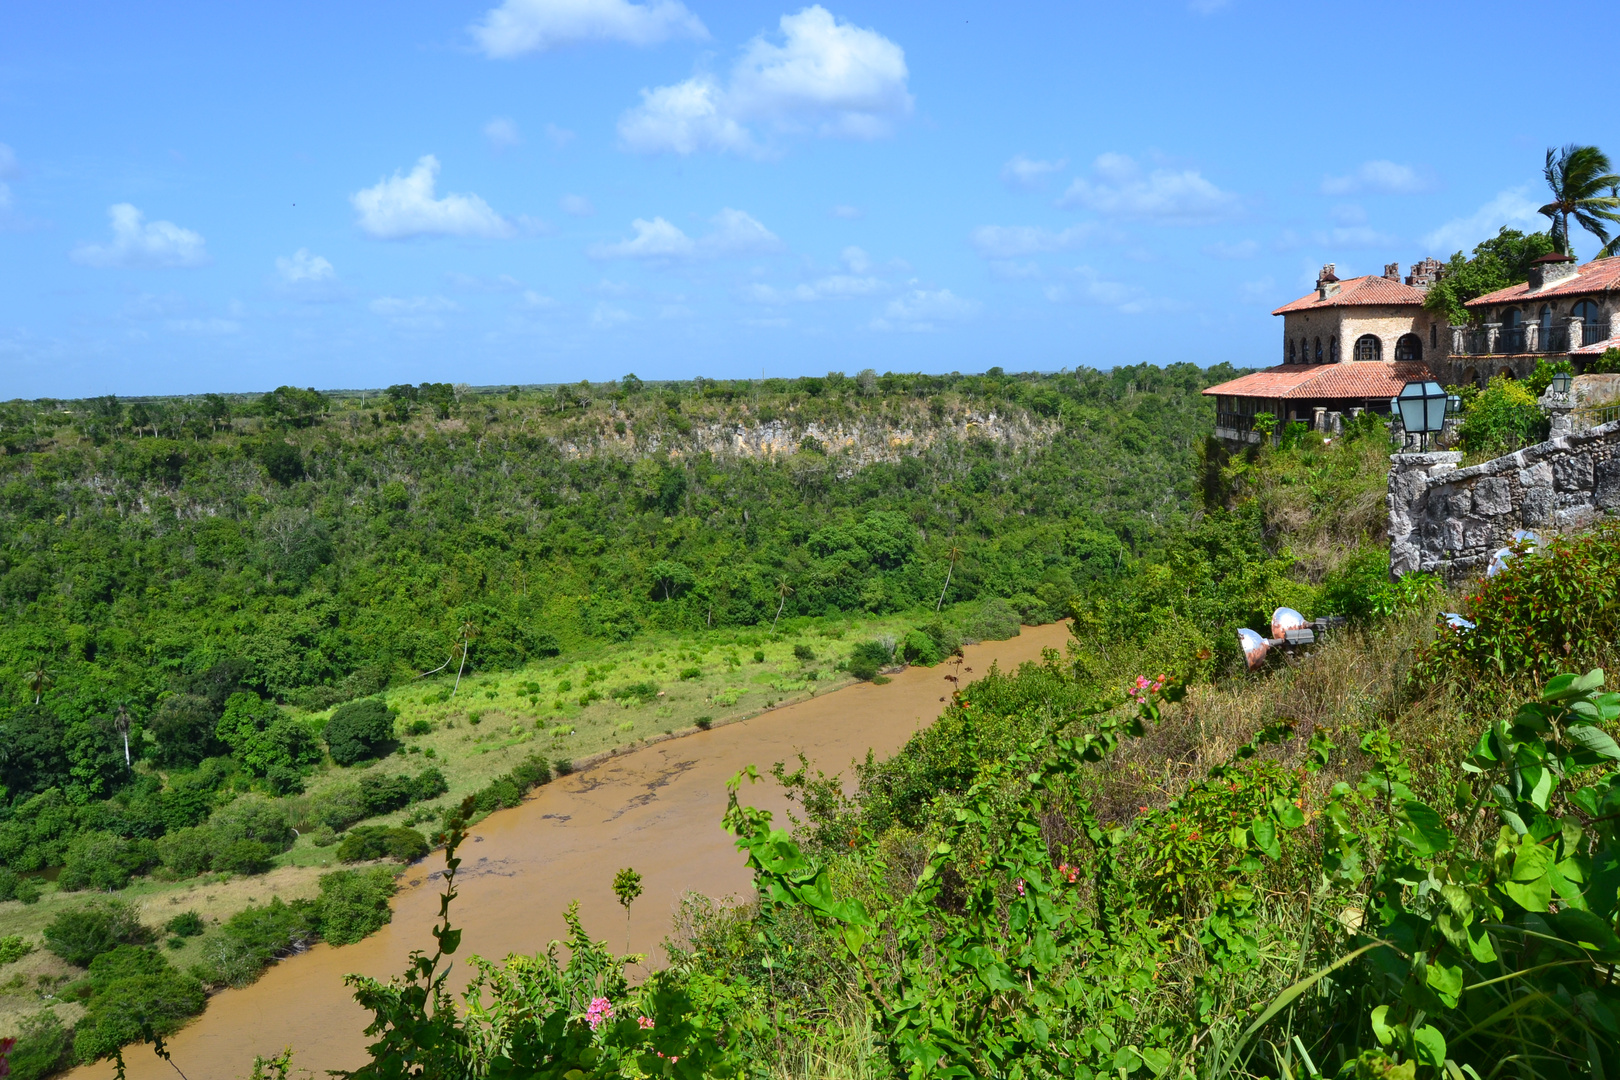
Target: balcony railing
1501,340
1240,422
1594,332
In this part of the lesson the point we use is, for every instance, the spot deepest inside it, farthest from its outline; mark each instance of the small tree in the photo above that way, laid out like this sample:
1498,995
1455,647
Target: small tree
359,730
626,886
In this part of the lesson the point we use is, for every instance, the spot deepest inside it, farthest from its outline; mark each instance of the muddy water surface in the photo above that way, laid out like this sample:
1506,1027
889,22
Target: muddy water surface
656,809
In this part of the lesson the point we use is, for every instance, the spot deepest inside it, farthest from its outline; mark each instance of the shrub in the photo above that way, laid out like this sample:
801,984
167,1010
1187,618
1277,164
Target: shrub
994,621
359,730
705,722
870,657
339,806
563,766
13,886
803,653
253,938
79,935
1502,418
640,692
14,947
382,794
43,1047
382,841
244,857
430,783
502,794
354,904
253,817
759,656
187,852
184,925
919,648
104,861
418,727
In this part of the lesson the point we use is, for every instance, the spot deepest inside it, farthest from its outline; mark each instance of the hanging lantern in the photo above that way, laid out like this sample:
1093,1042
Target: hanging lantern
1561,382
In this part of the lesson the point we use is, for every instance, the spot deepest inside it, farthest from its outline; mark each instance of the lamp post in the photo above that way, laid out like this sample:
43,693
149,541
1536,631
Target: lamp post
1422,405
1561,382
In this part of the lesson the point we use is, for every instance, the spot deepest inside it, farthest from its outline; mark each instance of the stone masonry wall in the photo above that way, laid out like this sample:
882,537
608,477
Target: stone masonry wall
1447,520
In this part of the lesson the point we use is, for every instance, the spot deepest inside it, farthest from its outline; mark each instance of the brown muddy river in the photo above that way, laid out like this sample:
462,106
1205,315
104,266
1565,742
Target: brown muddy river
656,809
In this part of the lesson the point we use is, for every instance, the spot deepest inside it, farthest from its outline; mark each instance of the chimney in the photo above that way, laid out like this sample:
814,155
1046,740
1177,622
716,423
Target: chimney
1392,271
1549,269
1327,282
1425,273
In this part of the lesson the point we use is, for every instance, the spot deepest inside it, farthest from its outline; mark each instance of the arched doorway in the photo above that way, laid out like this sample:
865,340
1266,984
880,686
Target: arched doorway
1409,348
1368,347
1471,377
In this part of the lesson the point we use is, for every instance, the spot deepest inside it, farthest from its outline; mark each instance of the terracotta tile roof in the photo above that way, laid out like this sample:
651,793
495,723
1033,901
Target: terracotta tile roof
1598,348
1599,275
1370,289
1351,380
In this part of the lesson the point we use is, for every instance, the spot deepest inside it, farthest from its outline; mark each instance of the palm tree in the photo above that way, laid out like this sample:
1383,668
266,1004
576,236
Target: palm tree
39,679
954,554
782,590
1578,176
468,632
121,725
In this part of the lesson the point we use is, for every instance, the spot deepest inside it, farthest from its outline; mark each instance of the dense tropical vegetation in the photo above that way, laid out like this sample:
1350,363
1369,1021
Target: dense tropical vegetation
1392,857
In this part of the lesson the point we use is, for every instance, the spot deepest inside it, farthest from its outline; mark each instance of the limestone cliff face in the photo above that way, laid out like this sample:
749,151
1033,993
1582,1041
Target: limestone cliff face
854,443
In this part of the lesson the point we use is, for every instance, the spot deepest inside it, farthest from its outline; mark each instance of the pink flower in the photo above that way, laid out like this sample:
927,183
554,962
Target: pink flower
646,1022
598,1012
1020,886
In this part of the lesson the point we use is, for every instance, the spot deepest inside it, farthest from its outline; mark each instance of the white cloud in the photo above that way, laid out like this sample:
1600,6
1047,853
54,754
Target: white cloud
559,136
502,134
856,259
138,243
1086,286
413,305
303,268
526,26
1257,292
8,162
675,311
500,283
1170,197
845,212
1014,241
1243,249
828,78
735,233
1027,173
1511,207
204,327
923,310
577,205
1009,270
831,287
533,301
1348,214
606,315
1383,177
404,206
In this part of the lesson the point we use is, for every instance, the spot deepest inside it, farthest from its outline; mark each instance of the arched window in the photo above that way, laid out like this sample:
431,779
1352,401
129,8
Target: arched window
1409,347
1511,319
1545,316
1318,344
1471,378
1333,349
1368,347
1290,350
1586,311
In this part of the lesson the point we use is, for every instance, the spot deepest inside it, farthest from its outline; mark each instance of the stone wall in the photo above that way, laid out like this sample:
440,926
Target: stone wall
1443,519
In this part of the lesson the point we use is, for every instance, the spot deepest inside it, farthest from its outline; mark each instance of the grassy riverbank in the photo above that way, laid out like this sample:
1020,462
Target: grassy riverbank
569,710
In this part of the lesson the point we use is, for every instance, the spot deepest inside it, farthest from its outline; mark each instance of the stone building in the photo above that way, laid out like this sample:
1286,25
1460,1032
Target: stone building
1563,312
1348,346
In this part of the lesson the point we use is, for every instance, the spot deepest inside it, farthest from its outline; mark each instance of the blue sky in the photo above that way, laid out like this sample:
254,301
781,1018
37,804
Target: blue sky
222,197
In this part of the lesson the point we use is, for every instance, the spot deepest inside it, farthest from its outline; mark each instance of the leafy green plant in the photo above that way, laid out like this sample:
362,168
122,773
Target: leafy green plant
135,996
1502,418
353,904
14,947
79,935
359,730
381,841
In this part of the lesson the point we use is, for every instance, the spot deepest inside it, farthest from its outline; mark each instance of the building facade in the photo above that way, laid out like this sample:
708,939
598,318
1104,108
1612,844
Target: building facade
1564,312
1349,346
